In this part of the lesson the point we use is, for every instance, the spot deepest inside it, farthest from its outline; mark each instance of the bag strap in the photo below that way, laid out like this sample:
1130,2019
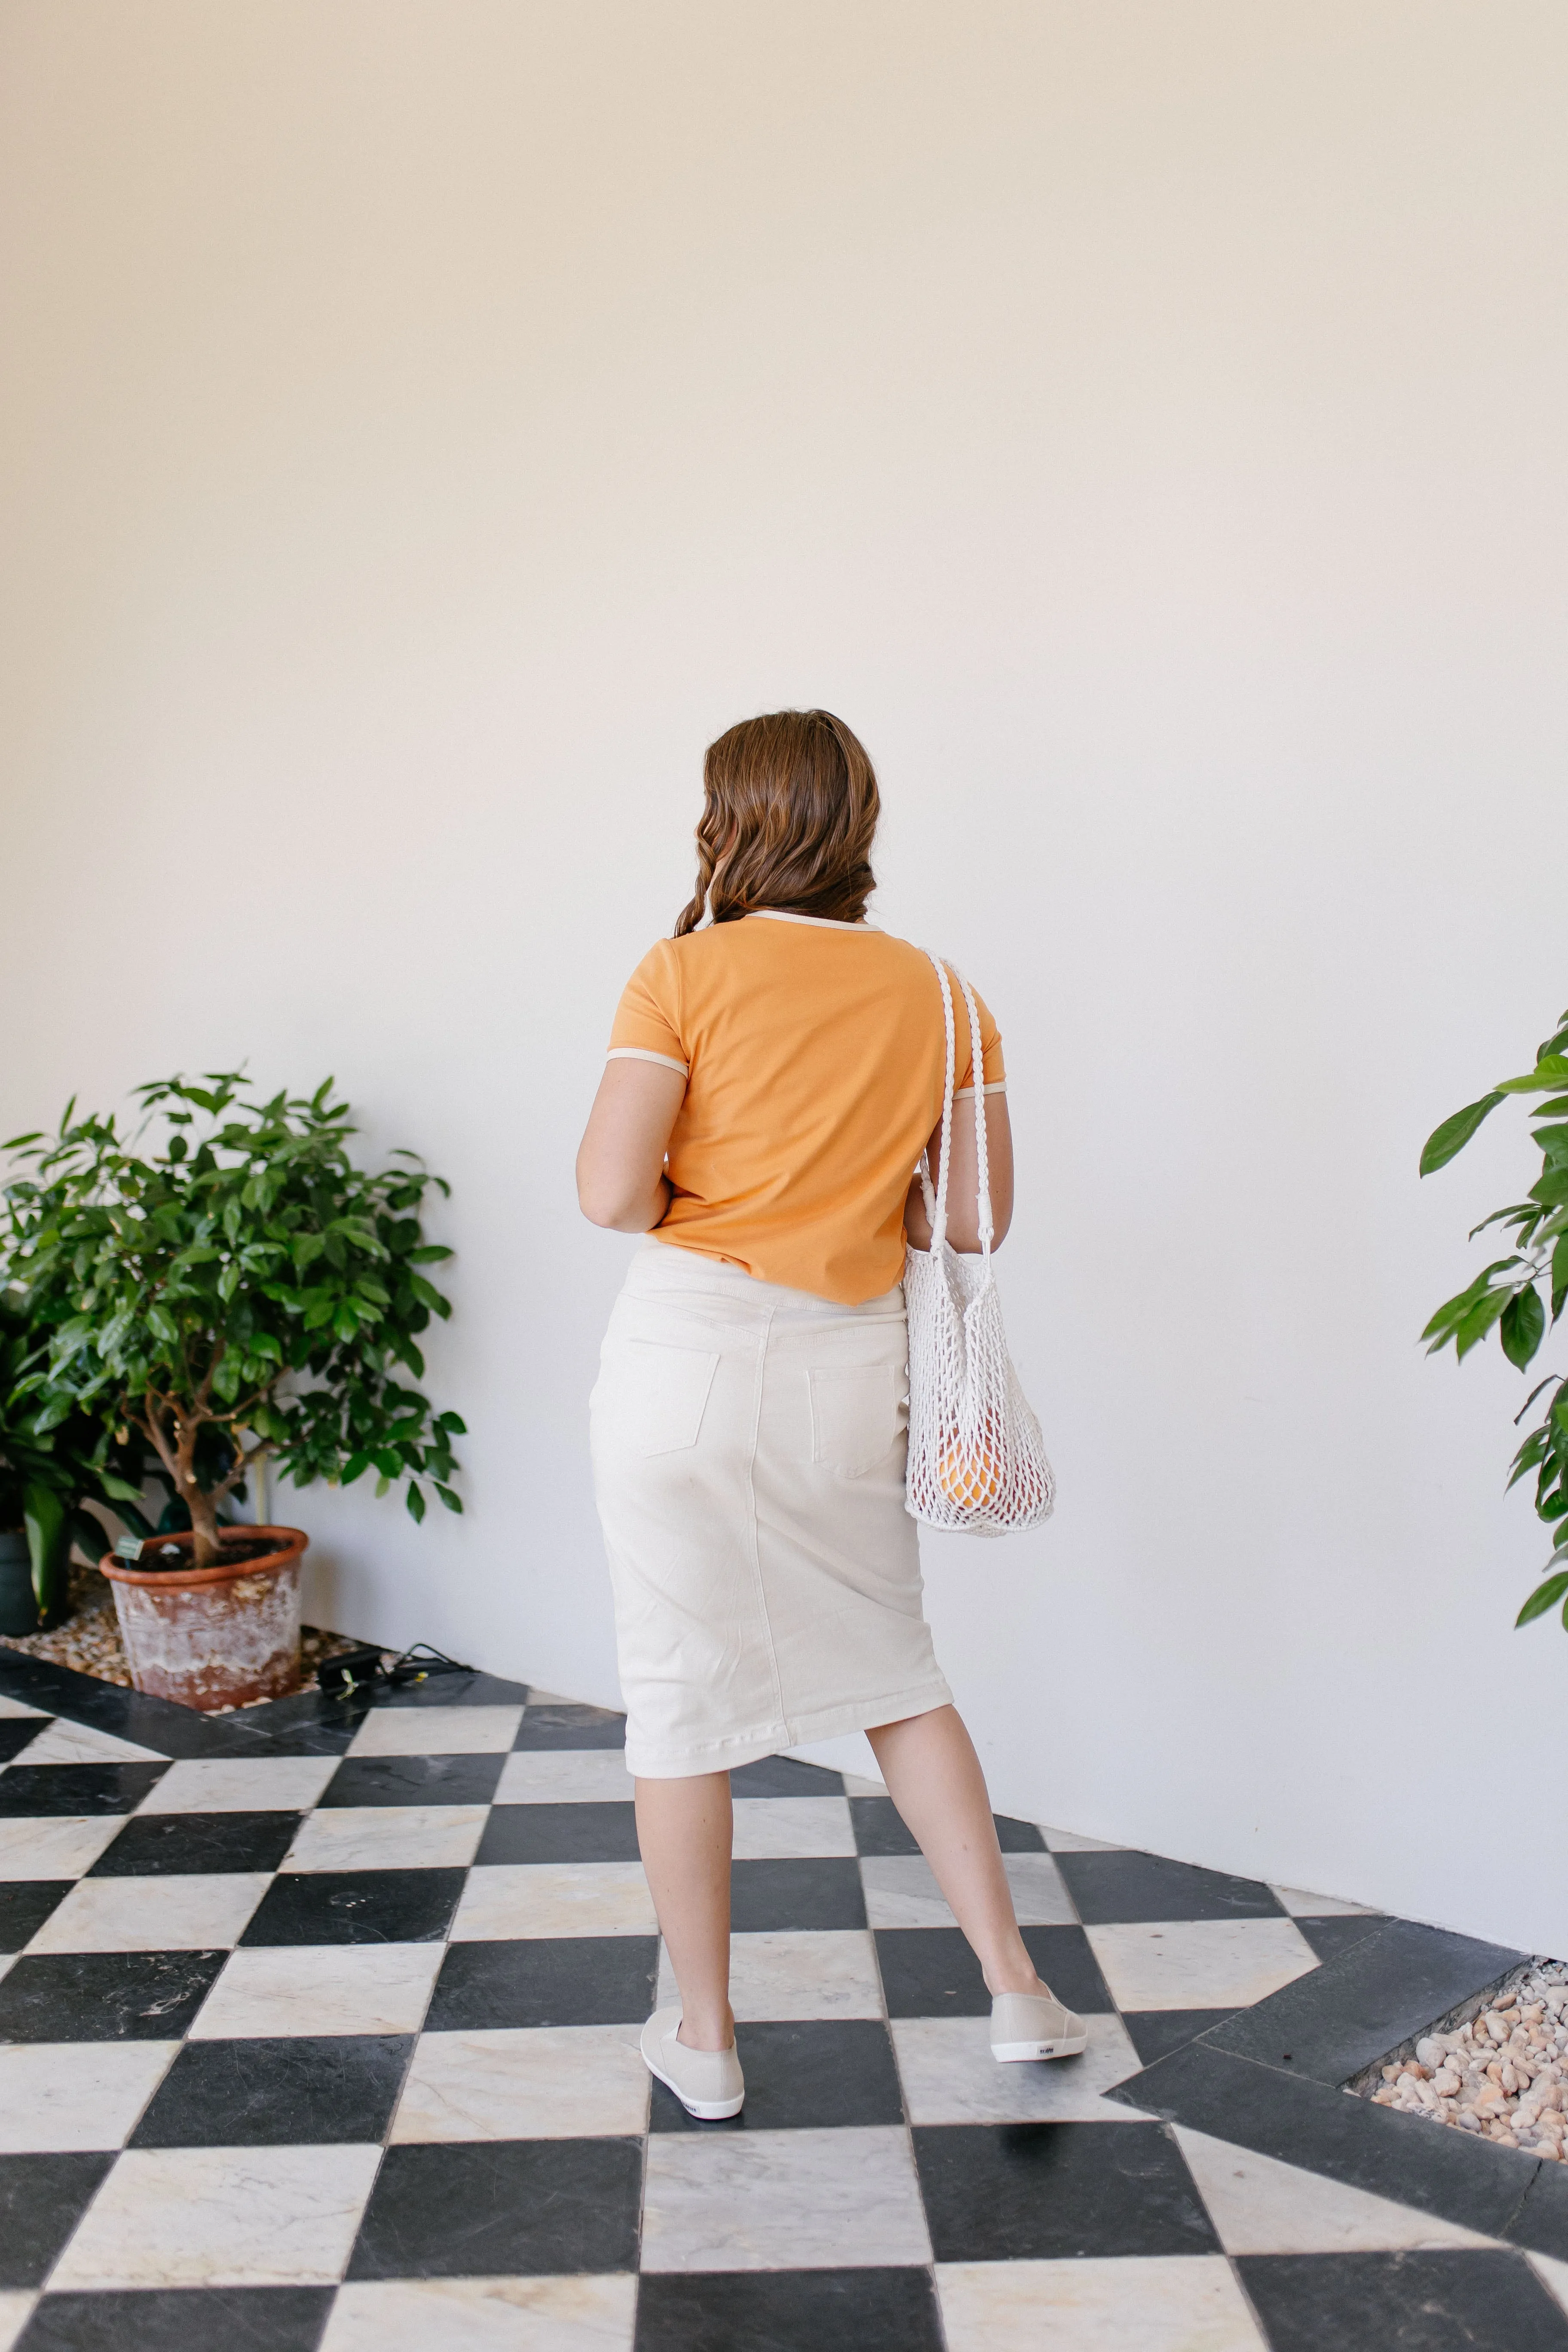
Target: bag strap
936,1202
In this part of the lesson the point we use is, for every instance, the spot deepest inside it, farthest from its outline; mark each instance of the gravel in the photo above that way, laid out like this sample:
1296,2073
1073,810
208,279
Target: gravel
89,1638
1502,2075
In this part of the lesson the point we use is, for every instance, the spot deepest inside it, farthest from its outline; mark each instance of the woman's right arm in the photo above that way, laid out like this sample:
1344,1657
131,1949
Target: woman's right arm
963,1178
621,1182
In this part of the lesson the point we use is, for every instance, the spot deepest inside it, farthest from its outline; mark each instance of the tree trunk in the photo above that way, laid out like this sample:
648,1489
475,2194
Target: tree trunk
204,1526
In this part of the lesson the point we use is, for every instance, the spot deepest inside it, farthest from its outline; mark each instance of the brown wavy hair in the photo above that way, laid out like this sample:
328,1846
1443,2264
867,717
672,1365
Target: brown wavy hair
789,810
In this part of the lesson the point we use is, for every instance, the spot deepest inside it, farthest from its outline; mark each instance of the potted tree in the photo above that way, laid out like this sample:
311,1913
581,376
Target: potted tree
233,1289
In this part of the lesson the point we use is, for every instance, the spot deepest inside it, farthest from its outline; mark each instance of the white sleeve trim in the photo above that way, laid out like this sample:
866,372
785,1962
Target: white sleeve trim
641,1053
967,1094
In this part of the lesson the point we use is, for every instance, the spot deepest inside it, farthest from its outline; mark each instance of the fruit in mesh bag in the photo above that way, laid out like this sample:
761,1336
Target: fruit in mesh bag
970,1469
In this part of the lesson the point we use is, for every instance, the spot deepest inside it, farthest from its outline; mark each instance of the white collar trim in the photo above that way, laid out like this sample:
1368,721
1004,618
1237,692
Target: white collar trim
819,922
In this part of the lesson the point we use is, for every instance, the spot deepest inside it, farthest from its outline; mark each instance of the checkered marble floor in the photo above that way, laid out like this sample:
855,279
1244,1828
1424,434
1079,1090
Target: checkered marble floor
335,2046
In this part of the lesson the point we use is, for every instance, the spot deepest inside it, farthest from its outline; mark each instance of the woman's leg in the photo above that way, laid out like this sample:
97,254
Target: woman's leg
935,1778
685,1829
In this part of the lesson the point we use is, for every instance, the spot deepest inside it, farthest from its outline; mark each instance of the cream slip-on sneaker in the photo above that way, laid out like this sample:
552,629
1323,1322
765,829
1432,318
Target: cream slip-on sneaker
708,2082
1034,2026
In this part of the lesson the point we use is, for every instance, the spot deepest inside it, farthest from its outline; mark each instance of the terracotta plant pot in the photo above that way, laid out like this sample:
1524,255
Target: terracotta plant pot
212,1637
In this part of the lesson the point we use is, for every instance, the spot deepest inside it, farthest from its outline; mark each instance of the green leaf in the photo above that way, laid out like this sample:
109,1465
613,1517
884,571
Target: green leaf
1479,1322
427,1254
453,1501
1524,1327
1552,1191
1551,1070
415,1502
1451,1138
453,1423
1541,1599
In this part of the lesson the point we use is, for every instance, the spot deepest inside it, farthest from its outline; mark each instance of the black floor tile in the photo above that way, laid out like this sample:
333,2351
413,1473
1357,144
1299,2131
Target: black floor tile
932,1971
1541,2222
788,2311
1038,2192
879,1827
784,1776
310,2090
1351,2010
597,1832
104,1995
17,1731
42,2199
469,1687
181,1844
182,2319
357,1906
502,2208
1155,2033
1448,2302
25,1905
55,1789
545,1981
1330,1938
824,1892
1132,1886
1017,1837
818,2075
571,1726
414,1781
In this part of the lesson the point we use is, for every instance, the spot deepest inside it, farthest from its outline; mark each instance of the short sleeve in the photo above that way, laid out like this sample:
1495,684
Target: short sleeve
646,1026
990,1048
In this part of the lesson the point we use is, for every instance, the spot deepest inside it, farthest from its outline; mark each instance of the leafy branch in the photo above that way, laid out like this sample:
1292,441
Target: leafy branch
244,1291
1522,1296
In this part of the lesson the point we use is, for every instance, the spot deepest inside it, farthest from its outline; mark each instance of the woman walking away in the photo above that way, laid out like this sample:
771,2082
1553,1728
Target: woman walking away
772,1078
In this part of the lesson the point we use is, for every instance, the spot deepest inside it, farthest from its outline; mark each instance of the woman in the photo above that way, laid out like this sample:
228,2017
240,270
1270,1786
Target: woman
772,1080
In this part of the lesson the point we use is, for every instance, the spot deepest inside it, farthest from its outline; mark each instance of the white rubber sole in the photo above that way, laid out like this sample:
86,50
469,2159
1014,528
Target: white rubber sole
1005,2053
706,2110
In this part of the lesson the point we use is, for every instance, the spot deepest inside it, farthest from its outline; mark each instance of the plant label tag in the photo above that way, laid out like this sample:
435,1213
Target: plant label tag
128,1547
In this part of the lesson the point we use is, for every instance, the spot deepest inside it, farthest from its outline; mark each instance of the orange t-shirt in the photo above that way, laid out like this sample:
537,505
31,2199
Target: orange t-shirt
814,1053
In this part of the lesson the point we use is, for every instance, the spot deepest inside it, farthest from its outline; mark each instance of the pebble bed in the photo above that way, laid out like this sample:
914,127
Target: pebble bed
89,1639
1503,2074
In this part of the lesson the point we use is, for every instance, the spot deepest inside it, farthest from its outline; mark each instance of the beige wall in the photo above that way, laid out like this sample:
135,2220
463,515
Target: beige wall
424,425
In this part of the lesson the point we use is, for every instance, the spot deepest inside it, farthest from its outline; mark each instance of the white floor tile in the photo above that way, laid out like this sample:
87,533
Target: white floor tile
565,1776
584,2314
854,1785
244,1784
1259,2206
61,1846
770,1829
501,1900
1200,1963
320,1988
387,1837
76,2094
15,2310
950,2076
900,1892
803,1972
177,1914
1070,1841
1301,1905
10,1708
81,1743
1552,2274
1164,2302
781,2200
557,2082
222,2216
437,1731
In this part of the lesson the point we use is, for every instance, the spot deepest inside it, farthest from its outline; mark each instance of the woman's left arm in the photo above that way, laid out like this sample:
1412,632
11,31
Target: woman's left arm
621,1182
963,1181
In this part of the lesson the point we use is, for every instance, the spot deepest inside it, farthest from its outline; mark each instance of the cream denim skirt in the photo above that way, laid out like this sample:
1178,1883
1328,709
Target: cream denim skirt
748,1448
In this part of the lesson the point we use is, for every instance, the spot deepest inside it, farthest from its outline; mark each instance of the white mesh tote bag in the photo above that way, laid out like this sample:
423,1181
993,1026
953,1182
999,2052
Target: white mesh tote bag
977,1462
